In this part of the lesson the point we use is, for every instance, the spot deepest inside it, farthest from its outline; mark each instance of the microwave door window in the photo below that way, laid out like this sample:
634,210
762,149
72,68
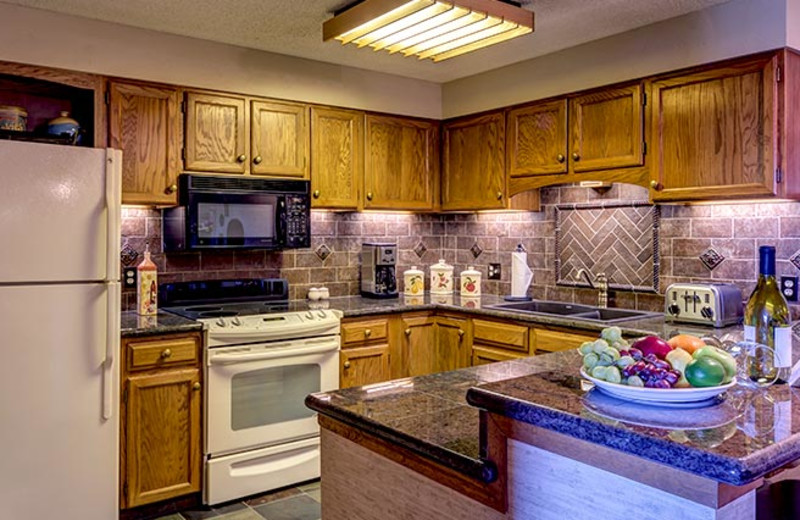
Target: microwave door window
236,224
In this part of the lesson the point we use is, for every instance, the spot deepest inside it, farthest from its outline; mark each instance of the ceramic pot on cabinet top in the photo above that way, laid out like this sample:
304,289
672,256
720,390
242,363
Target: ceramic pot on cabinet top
13,118
441,278
470,282
64,126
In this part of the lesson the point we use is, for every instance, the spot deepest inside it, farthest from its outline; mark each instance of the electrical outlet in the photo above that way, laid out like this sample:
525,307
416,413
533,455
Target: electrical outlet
494,272
129,277
789,288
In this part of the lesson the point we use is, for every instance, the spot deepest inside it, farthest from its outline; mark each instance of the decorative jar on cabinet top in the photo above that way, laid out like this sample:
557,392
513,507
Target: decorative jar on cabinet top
441,278
470,282
413,281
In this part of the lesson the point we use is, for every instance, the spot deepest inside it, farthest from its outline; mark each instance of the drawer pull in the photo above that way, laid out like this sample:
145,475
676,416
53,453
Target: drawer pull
367,333
242,158
166,353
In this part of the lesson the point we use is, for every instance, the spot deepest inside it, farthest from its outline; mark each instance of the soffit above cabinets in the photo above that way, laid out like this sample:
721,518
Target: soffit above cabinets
294,27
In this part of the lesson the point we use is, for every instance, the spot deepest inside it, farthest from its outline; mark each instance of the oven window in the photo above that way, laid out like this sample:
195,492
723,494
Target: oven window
272,395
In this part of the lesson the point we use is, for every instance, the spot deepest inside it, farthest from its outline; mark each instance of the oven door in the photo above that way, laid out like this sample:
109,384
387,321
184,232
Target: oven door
256,392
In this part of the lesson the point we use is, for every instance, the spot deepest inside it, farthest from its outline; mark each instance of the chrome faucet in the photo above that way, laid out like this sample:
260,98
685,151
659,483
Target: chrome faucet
600,283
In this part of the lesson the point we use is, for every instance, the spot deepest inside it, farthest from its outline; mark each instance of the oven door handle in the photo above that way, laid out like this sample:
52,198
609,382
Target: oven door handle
227,359
225,335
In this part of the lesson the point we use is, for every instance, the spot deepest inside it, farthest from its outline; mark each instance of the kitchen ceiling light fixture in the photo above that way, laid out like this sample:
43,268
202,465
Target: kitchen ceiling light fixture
435,29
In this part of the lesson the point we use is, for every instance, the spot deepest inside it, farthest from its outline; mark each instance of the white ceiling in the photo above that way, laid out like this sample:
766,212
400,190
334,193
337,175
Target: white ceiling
294,27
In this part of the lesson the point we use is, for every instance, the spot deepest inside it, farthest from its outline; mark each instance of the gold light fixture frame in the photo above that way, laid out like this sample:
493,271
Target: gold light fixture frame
429,29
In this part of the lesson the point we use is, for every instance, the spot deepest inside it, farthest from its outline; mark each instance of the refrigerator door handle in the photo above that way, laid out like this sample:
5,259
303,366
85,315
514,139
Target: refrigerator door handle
113,339
114,209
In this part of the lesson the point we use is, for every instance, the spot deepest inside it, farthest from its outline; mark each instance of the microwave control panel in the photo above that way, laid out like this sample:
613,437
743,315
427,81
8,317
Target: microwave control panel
297,221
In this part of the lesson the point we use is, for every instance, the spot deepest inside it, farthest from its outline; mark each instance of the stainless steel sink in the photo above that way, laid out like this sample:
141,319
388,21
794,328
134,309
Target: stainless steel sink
575,311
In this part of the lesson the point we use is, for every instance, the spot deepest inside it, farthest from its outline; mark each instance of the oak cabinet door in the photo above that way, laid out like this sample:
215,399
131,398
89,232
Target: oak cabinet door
401,163
484,354
714,133
143,122
280,140
607,129
162,436
453,343
364,365
537,139
474,163
418,345
547,340
337,157
217,133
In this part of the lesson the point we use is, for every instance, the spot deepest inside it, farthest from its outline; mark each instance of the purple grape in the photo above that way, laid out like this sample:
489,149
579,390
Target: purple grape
662,384
628,371
671,377
659,372
624,353
638,366
649,384
651,358
663,365
635,353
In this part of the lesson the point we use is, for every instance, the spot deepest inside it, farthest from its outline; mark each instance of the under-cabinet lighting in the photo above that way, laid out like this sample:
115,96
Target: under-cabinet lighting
434,29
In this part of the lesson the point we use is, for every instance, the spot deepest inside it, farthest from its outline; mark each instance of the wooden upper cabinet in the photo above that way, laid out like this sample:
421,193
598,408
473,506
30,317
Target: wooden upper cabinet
474,163
217,133
280,139
144,123
536,138
401,163
337,157
607,129
714,132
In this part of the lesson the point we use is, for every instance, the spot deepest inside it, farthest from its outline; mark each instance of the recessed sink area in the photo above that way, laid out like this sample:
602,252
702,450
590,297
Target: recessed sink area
575,311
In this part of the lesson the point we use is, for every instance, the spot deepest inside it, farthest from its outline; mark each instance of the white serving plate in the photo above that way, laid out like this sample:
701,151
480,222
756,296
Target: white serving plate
662,396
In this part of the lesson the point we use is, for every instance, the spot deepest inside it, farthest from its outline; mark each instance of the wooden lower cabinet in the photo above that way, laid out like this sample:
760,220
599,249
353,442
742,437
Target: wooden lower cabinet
364,365
483,355
417,346
554,340
453,343
498,341
161,417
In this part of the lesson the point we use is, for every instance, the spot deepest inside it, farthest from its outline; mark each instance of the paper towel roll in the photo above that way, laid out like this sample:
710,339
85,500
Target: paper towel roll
521,275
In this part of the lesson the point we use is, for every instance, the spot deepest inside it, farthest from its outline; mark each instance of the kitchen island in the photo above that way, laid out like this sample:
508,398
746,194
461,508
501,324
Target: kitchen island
529,439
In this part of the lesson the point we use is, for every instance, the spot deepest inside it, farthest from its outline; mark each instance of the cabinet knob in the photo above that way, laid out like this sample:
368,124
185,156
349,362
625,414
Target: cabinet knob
369,196
316,194
460,333
257,159
196,386
241,158
560,157
172,188
367,333
656,185
576,157
499,195
166,353
346,364
407,332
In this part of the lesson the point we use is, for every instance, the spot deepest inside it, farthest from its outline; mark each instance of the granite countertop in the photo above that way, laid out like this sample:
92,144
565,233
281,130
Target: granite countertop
133,325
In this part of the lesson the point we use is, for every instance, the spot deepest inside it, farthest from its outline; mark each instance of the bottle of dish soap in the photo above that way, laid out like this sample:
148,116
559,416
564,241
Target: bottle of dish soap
147,291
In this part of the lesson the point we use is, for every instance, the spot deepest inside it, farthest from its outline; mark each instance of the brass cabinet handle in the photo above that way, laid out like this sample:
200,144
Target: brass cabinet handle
346,364
196,386
166,353
407,332
369,196
560,157
241,158
656,185
576,157
257,159
172,188
499,195
460,333
316,194
368,333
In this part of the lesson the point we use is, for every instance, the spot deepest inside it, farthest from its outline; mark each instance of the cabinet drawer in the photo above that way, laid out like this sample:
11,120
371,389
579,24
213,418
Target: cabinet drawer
168,352
361,331
554,340
506,335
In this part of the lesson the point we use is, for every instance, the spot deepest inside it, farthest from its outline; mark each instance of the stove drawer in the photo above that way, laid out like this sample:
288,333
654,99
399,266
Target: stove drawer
144,355
364,330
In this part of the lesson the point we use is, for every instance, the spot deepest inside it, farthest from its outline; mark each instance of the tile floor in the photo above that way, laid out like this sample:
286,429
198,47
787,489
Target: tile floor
293,503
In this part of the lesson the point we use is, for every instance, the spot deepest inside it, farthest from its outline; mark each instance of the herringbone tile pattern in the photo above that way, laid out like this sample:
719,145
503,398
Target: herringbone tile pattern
618,240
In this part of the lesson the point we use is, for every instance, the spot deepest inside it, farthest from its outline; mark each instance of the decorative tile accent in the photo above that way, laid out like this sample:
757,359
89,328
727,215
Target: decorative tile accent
323,252
711,258
420,249
795,259
128,255
476,250
618,239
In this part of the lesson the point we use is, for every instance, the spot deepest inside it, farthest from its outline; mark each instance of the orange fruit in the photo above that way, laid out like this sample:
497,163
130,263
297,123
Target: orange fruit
686,342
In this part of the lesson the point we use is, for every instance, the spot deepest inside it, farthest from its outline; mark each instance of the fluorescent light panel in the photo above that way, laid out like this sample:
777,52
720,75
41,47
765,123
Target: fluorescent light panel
430,29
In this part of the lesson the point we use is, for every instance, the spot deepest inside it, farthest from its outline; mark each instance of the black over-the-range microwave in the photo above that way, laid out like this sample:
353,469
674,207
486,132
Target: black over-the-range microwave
217,212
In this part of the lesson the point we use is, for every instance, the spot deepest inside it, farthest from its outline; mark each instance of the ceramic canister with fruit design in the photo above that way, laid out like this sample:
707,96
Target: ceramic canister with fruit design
441,278
470,282
413,281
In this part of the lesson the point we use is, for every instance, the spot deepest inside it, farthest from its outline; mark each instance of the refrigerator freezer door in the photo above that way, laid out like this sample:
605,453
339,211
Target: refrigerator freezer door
58,450
54,214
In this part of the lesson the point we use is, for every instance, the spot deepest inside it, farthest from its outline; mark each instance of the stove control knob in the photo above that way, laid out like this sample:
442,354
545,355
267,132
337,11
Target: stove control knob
236,322
220,322
310,315
322,314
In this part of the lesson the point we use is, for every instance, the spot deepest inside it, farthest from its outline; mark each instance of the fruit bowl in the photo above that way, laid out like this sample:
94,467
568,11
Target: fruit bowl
658,396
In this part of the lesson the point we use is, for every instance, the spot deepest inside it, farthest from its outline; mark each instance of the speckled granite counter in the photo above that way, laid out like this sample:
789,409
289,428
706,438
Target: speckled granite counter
133,325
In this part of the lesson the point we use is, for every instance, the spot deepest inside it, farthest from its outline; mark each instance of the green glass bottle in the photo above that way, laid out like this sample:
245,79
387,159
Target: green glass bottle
767,320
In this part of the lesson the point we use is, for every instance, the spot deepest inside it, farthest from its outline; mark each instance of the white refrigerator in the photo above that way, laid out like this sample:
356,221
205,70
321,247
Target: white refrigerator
59,331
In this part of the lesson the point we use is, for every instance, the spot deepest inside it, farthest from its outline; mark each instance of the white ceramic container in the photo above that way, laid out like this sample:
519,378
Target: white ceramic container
441,278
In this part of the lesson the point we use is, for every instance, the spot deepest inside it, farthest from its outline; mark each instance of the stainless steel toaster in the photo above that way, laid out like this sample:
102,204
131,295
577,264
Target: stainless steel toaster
716,304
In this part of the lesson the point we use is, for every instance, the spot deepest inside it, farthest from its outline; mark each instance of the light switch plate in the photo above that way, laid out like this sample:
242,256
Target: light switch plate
494,272
789,288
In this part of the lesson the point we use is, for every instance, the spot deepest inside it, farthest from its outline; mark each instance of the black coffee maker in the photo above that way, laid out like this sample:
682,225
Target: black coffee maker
378,277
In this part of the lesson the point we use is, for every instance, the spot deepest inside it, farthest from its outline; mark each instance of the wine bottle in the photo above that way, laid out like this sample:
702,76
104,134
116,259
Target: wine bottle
147,291
767,320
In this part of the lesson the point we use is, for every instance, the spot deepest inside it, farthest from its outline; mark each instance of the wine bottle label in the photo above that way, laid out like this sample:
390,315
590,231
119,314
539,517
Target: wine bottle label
783,346
749,333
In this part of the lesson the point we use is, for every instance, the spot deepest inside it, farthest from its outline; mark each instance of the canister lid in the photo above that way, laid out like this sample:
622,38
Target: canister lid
413,271
470,271
442,266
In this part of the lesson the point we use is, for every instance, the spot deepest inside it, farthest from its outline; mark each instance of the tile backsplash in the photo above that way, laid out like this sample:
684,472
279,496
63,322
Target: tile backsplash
686,234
